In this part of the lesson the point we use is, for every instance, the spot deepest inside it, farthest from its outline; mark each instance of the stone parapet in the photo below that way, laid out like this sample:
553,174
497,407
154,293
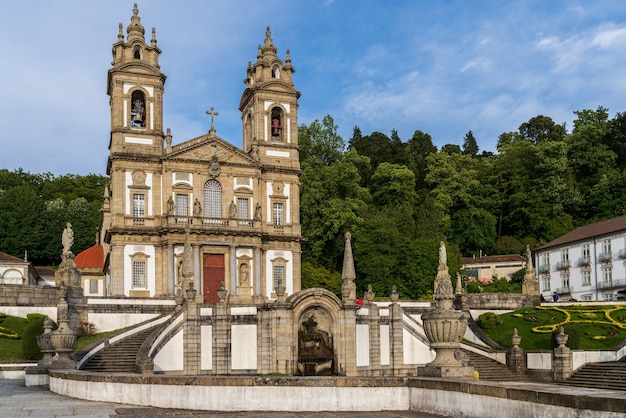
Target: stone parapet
27,295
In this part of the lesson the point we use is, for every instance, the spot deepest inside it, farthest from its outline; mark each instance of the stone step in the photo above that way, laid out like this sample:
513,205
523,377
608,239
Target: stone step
489,369
118,357
609,375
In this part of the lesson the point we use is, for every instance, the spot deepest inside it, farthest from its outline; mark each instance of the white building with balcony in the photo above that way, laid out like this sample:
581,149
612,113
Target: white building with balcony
587,264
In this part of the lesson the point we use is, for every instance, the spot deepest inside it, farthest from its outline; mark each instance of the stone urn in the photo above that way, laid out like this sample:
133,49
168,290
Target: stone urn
64,341
561,337
515,338
191,293
222,293
45,344
445,329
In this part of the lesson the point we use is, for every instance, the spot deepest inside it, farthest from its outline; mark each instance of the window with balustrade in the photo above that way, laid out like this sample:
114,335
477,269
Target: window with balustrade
182,204
139,205
586,277
278,215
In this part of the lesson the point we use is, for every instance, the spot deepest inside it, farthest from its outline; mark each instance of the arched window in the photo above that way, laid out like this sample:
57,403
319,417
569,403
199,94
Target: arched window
277,124
275,72
138,109
212,199
137,52
12,276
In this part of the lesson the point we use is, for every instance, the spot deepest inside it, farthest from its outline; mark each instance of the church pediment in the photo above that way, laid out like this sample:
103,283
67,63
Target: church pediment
205,149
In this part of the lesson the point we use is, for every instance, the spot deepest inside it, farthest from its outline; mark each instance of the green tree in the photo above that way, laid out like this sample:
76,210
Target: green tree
417,149
541,129
470,146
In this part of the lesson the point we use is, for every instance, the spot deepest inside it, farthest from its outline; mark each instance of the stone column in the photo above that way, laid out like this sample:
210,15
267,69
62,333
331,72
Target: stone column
258,293
233,270
117,270
562,362
346,341
197,272
171,279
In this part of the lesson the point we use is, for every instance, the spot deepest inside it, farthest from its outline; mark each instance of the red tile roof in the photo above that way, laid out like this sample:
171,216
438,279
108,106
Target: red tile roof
91,257
489,259
589,231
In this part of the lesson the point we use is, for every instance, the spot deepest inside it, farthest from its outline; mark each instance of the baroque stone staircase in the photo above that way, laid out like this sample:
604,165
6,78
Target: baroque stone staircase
118,357
607,375
489,369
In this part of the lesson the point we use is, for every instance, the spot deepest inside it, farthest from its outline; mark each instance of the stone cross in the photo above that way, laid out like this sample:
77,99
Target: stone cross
213,114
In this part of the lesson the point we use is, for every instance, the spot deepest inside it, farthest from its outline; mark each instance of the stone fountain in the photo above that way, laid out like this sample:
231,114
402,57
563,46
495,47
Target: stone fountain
445,327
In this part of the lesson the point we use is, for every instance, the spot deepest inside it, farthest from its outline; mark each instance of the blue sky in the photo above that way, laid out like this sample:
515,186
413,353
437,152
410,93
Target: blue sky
443,67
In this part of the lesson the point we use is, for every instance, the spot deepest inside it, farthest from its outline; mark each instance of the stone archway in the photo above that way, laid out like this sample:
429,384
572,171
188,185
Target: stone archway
317,327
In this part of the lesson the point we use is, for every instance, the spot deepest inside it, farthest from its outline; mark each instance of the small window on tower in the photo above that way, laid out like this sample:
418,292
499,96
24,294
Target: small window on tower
277,124
138,109
275,72
137,52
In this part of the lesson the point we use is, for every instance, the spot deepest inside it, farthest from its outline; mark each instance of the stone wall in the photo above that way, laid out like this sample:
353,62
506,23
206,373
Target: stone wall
499,301
28,295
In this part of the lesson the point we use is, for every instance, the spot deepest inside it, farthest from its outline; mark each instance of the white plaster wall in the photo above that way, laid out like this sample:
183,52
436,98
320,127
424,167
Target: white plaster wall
111,321
239,398
22,311
243,347
131,302
362,345
243,310
539,361
128,267
165,332
269,279
385,351
170,358
579,358
206,347
206,311
415,351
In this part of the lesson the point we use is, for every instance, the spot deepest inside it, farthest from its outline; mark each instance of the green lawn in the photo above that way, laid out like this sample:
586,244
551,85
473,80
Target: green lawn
590,328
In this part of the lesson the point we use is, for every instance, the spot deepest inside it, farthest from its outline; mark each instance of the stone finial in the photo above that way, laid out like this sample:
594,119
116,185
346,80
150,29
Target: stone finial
191,292
444,293
153,41
394,294
459,284
135,29
120,33
369,295
561,337
515,339
222,293
348,273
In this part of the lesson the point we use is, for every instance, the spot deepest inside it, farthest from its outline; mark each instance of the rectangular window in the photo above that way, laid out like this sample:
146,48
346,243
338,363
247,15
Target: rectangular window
586,251
565,254
139,205
182,205
546,283
586,277
545,259
242,208
606,246
277,214
139,274
279,276
607,274
565,280
93,286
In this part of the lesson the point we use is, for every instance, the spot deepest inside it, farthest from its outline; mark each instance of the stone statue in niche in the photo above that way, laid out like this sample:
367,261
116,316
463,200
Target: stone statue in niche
197,208
257,212
244,275
170,206
232,210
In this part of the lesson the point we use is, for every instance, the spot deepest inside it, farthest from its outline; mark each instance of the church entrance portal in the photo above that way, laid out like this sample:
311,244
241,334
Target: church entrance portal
213,275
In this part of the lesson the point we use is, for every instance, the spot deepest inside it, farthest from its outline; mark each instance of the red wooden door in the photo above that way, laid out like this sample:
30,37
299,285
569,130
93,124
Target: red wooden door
213,275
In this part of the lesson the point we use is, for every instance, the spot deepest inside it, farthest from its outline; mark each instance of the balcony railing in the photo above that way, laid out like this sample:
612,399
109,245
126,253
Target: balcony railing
584,261
544,268
563,265
565,290
612,284
602,257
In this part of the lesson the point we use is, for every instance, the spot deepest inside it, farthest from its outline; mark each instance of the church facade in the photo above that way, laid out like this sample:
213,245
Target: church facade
237,209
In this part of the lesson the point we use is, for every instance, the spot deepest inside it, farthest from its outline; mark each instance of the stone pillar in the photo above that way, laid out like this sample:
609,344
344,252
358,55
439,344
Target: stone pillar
516,358
171,279
373,321
396,334
233,270
117,270
562,361
191,332
283,340
257,273
197,272
345,342
221,337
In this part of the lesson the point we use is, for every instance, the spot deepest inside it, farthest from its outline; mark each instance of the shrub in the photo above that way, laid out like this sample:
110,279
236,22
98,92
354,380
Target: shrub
30,349
86,329
489,320
35,316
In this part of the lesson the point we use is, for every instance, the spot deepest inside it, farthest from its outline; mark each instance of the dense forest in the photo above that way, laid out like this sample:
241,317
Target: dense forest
397,197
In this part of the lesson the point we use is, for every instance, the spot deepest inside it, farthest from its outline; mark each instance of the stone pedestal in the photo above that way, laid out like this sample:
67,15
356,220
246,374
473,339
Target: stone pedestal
562,362
45,344
516,359
63,339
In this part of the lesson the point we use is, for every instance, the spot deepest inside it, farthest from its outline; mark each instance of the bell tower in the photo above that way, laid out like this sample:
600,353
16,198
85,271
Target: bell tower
135,86
269,109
